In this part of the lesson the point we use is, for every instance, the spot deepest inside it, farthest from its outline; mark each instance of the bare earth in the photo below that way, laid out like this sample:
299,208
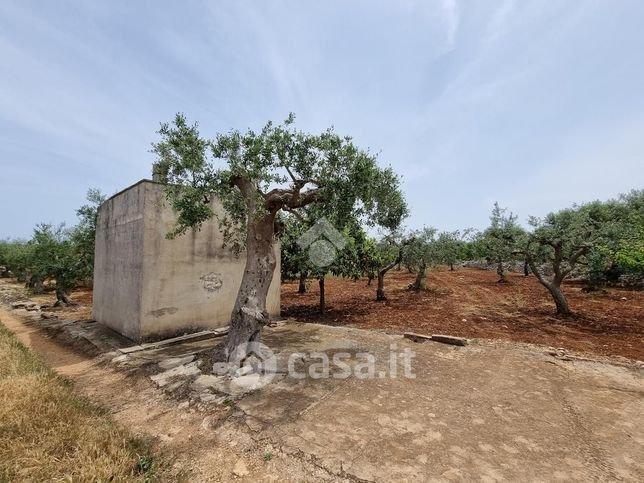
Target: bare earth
470,303
490,411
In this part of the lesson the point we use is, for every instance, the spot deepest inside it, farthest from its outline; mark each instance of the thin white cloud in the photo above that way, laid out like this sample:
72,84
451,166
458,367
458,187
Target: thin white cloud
451,14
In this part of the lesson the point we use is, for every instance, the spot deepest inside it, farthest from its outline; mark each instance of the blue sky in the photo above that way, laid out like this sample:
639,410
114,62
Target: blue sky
536,104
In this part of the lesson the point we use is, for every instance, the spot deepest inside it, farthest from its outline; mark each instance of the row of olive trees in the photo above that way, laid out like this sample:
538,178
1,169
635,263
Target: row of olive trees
55,253
598,240
364,256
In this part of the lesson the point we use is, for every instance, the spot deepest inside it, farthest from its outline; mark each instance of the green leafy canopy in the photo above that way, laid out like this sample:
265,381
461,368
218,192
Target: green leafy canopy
278,168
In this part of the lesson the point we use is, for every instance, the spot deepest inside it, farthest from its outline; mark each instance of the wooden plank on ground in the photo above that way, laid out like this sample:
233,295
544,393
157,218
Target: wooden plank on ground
194,337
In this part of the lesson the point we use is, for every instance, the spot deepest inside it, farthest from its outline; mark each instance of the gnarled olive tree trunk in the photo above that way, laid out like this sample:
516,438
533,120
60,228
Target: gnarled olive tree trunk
249,313
501,272
380,291
560,300
36,285
62,298
420,276
554,287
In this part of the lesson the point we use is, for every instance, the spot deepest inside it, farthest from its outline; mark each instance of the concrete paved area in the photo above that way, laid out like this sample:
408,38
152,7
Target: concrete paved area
489,412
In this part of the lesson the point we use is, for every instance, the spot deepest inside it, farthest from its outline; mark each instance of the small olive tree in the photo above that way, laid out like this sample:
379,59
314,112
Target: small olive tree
449,247
296,261
255,176
389,252
501,238
420,254
53,257
83,235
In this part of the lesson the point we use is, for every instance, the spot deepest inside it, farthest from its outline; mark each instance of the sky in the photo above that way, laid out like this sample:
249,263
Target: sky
534,104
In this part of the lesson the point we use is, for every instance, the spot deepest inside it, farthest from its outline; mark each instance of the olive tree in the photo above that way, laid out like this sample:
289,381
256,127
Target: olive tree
564,240
449,246
83,235
620,249
256,175
420,253
296,262
500,239
14,259
390,251
368,258
629,256
53,257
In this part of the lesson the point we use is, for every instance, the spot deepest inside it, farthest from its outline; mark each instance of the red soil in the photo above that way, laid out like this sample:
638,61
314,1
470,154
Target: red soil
471,303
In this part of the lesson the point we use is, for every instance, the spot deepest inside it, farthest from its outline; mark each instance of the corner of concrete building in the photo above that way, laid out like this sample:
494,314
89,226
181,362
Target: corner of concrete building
118,264
148,287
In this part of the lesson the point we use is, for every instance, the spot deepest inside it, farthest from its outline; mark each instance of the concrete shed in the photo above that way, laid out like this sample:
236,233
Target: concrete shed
148,287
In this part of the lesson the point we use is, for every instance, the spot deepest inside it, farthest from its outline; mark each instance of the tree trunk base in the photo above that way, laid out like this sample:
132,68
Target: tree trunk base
322,295
302,286
63,300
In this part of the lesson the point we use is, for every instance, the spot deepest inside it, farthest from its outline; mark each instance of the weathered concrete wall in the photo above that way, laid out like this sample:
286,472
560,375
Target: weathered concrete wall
118,263
185,284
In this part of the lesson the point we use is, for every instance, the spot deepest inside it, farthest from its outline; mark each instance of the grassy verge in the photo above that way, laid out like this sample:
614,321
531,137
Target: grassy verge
48,433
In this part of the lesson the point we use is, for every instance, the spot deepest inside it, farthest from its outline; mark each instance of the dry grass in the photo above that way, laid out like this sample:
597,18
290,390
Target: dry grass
48,433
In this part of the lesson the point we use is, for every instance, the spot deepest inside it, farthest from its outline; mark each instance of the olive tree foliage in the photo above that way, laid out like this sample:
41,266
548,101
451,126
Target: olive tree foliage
54,257
450,246
83,235
500,240
257,175
296,262
600,263
368,258
620,250
56,253
421,252
389,252
15,256
629,256
567,239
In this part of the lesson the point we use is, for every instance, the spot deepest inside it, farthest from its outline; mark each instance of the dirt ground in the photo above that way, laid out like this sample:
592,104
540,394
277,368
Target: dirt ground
491,411
487,412
470,303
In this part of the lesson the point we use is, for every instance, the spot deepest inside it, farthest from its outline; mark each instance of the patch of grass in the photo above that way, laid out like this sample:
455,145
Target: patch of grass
48,433
268,456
